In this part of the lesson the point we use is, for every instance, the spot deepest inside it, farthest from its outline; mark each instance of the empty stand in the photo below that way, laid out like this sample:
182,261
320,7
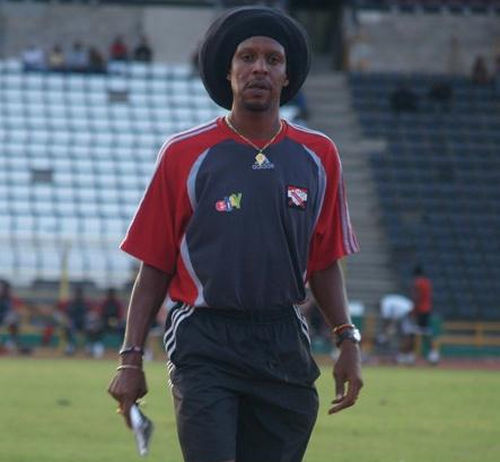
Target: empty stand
438,184
76,153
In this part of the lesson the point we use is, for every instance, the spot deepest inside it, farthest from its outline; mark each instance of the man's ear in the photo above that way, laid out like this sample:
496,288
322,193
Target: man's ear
286,82
228,75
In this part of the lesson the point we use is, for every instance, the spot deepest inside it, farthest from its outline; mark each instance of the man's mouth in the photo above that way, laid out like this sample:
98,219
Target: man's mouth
258,86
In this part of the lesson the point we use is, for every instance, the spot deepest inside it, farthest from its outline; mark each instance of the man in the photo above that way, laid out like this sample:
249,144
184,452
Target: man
422,298
76,310
240,213
9,315
143,51
422,313
397,328
112,312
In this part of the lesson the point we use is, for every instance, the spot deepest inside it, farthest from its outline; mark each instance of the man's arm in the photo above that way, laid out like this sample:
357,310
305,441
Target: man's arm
329,291
148,294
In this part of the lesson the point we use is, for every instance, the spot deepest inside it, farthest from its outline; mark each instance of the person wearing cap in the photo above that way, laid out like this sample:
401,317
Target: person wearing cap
240,213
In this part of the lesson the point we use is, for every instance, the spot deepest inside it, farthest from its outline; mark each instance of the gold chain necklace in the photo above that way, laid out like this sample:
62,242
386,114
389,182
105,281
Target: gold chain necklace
259,150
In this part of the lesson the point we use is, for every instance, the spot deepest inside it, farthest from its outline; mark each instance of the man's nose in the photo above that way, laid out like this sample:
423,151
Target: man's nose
260,65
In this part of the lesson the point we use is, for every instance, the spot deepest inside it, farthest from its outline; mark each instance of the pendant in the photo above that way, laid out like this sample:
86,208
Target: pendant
260,158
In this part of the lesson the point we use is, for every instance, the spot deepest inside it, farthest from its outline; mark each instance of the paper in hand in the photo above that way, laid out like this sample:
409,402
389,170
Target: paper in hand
142,428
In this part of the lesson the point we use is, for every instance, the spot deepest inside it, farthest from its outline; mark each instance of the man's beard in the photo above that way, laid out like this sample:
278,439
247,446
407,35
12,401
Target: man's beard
257,106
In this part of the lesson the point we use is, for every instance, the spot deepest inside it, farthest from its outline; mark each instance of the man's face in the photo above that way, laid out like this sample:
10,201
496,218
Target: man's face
258,73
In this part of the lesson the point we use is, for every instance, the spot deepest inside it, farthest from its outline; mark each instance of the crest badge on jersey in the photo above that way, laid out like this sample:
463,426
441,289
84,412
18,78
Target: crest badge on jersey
262,162
297,197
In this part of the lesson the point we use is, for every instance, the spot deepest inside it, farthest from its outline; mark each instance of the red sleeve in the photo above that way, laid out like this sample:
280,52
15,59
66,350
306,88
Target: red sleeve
333,237
156,229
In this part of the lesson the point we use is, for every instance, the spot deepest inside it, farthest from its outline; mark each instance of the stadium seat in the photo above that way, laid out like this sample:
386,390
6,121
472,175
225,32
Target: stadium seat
99,155
438,166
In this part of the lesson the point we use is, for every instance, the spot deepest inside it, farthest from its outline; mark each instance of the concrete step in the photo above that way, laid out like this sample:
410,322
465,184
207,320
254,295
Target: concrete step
368,263
367,146
370,284
326,81
329,98
331,112
369,275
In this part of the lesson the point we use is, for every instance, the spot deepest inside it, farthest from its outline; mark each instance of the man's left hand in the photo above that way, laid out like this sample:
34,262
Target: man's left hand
347,373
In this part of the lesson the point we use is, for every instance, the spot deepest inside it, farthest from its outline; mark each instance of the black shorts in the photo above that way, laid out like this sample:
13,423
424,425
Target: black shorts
423,320
243,384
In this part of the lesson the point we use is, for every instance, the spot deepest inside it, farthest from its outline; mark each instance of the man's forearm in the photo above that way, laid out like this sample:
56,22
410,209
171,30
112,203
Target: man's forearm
329,291
148,294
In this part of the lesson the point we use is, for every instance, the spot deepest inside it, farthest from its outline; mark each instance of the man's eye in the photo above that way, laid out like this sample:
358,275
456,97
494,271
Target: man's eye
246,58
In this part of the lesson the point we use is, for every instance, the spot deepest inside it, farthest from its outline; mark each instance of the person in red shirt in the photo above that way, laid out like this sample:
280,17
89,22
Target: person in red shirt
422,298
118,50
422,313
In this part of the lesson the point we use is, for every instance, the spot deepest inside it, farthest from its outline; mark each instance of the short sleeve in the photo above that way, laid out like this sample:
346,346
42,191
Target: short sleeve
153,236
333,236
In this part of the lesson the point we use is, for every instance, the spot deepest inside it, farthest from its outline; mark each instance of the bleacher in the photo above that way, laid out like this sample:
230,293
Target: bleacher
438,184
76,152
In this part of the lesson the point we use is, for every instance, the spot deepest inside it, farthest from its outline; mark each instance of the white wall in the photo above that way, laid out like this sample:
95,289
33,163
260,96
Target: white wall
173,32
422,43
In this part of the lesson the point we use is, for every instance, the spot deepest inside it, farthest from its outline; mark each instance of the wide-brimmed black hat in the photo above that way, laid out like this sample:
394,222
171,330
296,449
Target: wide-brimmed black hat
236,25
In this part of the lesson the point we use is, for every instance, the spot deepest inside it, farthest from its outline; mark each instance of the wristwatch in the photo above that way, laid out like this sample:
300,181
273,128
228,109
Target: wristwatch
351,334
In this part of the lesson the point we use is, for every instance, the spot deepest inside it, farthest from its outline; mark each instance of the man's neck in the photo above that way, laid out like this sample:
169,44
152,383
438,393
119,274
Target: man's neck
255,125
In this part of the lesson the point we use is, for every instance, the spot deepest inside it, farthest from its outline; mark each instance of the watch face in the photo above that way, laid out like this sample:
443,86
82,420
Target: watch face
351,334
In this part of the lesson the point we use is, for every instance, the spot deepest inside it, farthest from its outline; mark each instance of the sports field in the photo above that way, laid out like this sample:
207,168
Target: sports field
58,411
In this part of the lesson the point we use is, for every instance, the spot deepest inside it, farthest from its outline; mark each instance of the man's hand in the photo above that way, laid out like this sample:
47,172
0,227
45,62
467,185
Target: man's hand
127,386
347,370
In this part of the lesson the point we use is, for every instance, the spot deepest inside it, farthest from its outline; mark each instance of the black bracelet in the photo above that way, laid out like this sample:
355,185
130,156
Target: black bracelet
131,349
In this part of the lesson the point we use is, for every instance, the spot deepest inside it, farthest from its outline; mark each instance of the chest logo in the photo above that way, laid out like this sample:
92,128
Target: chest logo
297,197
262,162
229,203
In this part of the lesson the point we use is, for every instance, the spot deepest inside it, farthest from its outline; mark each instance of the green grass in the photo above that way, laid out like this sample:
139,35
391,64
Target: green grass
58,411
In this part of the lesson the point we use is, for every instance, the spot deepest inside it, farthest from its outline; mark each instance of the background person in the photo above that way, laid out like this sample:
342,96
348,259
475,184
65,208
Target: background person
112,313
56,59
396,329
9,316
76,310
118,50
422,310
33,58
143,51
403,99
479,72
77,59
97,65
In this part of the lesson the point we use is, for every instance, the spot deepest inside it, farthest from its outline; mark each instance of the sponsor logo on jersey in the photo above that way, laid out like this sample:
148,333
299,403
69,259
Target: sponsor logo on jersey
297,197
229,203
262,162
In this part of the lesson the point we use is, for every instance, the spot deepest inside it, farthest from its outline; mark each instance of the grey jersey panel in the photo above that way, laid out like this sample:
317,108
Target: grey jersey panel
248,239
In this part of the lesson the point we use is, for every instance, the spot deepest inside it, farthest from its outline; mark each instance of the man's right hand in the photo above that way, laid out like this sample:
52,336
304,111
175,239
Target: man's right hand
127,386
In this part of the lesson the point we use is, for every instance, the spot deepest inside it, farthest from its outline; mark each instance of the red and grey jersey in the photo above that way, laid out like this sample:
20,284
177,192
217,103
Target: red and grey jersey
241,230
